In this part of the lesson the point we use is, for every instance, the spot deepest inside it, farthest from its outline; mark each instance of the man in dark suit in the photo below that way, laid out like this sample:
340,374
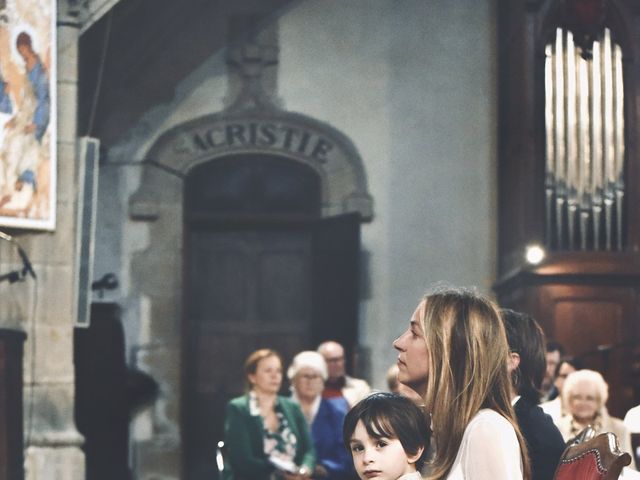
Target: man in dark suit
527,366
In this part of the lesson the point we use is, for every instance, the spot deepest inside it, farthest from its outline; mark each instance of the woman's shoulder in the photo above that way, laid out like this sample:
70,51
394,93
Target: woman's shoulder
289,406
336,404
616,424
489,415
288,402
331,412
239,402
488,423
489,449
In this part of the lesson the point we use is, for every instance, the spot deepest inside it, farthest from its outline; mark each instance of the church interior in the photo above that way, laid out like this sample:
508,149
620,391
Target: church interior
238,174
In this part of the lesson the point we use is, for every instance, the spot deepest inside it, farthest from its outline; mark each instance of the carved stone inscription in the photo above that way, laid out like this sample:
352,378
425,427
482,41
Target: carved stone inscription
268,136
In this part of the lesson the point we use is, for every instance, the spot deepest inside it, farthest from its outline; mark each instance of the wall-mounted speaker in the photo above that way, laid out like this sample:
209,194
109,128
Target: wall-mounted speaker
88,155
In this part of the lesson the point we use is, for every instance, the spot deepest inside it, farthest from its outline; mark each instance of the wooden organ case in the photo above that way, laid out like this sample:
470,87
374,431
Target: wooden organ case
569,178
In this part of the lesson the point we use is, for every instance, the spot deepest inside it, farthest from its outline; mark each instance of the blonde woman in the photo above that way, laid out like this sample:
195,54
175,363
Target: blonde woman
454,355
585,394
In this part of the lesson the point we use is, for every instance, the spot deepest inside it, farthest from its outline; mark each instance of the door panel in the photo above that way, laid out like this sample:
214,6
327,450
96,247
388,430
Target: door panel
336,253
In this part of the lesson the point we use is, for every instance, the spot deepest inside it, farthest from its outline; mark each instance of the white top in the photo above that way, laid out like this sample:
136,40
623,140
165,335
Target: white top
354,390
411,476
553,408
630,474
632,420
489,450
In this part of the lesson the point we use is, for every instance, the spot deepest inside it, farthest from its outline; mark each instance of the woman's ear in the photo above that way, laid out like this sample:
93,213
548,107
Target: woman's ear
414,458
513,362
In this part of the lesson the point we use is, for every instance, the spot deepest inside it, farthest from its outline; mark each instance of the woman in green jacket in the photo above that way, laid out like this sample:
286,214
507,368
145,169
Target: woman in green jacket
266,435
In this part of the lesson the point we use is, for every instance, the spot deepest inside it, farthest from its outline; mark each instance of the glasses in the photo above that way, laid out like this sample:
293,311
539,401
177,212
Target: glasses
584,398
310,376
334,359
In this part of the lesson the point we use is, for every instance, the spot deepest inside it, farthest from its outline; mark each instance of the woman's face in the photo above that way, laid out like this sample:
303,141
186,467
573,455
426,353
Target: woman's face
413,364
308,383
584,401
268,376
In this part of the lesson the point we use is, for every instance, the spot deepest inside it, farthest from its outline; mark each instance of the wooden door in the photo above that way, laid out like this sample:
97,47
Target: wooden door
262,270
336,258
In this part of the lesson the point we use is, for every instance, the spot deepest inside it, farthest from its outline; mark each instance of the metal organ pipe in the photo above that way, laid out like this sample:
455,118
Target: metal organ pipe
584,126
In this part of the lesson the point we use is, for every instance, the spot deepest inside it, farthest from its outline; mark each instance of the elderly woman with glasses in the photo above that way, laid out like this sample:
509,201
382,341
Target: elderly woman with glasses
307,374
585,395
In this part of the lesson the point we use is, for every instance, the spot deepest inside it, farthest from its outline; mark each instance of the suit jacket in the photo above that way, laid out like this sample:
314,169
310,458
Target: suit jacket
244,443
326,431
543,438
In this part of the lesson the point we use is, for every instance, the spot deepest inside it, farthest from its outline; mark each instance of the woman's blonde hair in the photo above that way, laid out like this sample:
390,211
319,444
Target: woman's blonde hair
467,356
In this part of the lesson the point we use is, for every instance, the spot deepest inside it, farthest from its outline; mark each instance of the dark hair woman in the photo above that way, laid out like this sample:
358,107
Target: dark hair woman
527,365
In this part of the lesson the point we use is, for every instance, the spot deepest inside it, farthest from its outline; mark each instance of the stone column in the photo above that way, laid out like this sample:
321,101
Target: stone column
51,440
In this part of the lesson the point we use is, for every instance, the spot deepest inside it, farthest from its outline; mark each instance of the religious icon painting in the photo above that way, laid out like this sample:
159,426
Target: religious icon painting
28,114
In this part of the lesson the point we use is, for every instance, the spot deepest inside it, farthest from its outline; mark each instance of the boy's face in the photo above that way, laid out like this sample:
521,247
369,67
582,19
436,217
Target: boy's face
379,458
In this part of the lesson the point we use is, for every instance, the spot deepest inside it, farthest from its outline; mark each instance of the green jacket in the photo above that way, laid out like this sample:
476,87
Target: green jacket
244,444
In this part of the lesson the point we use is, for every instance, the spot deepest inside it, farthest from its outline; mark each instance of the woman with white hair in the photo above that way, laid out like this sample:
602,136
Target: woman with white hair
585,395
307,374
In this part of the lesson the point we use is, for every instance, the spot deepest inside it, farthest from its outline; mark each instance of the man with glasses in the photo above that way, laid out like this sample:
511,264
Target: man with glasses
338,383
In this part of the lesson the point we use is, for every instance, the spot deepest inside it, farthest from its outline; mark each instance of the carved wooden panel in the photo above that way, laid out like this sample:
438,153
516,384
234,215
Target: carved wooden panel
597,323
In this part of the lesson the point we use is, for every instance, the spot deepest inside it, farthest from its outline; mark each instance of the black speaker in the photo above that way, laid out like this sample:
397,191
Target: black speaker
88,154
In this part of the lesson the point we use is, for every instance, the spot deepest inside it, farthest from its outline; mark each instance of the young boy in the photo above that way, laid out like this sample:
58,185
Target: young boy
387,436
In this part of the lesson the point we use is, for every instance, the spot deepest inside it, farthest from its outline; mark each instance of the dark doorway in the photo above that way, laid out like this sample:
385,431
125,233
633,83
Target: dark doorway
258,262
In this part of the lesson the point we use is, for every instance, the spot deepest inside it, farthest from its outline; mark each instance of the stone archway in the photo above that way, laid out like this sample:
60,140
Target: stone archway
156,271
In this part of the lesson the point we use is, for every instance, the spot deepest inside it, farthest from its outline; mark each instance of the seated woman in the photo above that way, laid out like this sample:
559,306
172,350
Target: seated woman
585,394
454,355
307,374
266,435
527,365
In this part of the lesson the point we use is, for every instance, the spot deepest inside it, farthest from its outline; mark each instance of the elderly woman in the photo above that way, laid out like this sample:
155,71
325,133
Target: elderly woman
307,374
266,435
585,395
